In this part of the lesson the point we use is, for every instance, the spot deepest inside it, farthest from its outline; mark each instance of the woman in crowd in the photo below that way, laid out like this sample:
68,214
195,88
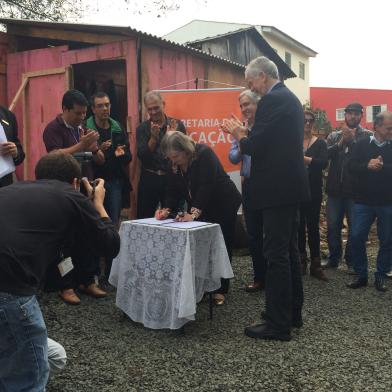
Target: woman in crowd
197,176
316,159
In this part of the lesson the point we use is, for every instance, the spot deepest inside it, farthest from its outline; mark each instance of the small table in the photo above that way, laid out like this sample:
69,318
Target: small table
163,271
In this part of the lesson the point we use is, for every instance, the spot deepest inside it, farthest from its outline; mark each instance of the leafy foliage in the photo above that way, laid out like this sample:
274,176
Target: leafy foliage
51,10
72,10
322,123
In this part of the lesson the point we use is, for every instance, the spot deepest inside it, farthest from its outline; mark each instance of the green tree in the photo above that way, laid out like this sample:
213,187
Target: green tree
72,10
51,10
322,124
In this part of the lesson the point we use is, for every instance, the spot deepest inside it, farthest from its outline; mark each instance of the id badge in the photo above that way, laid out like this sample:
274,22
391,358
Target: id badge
65,266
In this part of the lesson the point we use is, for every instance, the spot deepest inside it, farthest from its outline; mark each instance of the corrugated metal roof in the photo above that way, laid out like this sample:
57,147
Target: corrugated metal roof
267,49
116,30
201,29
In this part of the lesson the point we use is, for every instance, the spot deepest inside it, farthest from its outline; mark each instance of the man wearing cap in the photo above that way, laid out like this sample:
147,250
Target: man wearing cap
339,182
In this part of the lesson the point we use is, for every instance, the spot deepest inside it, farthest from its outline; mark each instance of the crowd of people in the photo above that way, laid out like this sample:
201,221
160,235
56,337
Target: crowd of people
59,238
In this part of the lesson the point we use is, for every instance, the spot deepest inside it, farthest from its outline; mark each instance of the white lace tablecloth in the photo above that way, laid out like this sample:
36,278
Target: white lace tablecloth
161,272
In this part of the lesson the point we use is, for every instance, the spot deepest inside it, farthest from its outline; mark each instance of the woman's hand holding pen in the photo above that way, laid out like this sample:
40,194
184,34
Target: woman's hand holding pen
184,217
162,213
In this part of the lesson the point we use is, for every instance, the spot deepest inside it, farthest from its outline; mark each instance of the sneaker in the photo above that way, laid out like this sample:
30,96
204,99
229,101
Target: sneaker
324,262
379,283
357,283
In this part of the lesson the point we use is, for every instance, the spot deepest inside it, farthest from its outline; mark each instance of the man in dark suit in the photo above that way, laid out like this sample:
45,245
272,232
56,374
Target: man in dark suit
12,146
278,183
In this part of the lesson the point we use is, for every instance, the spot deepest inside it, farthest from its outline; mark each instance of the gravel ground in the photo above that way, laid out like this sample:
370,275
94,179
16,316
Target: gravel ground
345,344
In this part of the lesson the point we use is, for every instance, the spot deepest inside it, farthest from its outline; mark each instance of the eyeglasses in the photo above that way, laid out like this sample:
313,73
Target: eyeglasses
309,121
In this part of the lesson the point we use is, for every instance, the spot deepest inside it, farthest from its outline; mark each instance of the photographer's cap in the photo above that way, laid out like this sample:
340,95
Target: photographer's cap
354,107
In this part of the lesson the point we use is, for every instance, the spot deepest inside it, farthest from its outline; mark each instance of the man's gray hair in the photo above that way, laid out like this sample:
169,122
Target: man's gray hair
261,64
154,94
380,118
250,94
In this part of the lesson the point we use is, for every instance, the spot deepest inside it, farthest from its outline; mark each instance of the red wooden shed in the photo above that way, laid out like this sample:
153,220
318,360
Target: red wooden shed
40,60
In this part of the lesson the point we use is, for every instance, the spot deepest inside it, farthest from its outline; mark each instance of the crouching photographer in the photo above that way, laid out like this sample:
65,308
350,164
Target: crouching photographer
40,217
67,134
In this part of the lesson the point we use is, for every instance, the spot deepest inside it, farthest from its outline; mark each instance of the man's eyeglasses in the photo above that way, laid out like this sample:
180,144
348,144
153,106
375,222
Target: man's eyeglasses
103,105
309,121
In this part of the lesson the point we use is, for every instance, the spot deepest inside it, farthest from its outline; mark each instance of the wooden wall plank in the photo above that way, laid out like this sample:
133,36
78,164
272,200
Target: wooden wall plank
3,68
130,48
64,35
17,65
95,53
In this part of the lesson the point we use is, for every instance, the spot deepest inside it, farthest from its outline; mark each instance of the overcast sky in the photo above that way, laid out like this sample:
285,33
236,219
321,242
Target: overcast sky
352,38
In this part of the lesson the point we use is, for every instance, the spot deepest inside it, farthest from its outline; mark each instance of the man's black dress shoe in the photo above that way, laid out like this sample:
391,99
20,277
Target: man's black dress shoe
253,287
296,322
262,331
329,266
357,283
379,284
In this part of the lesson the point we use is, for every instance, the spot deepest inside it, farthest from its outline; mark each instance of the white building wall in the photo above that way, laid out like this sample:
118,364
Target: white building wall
300,87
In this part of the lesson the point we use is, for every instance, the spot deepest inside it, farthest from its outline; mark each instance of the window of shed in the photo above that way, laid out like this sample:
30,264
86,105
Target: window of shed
287,58
302,70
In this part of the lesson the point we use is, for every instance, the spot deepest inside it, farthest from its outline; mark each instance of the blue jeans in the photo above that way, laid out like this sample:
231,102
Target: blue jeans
363,218
113,199
337,208
23,345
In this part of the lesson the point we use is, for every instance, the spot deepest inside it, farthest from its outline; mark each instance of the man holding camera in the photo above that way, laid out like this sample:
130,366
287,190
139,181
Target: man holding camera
45,221
66,134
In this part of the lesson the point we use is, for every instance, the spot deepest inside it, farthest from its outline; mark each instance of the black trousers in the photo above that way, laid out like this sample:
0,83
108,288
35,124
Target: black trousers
309,223
254,228
151,192
283,292
85,265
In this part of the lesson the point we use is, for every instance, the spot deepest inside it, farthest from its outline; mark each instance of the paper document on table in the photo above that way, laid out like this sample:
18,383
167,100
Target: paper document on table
186,225
153,221
6,163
